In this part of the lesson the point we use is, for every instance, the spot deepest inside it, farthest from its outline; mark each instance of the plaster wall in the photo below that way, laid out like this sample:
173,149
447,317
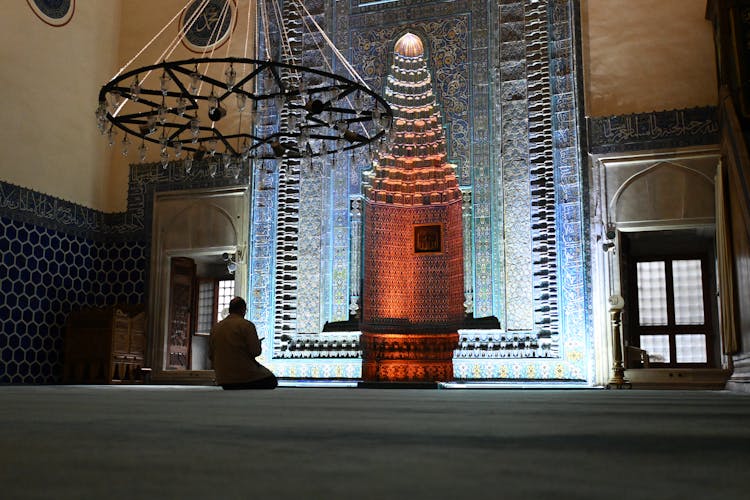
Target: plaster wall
142,22
50,78
646,55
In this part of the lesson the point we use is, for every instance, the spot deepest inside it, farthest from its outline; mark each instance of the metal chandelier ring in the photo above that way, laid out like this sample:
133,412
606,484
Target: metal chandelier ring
320,112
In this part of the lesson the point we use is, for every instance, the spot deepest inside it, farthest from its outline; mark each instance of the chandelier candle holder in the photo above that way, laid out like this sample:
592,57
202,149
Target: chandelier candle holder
209,105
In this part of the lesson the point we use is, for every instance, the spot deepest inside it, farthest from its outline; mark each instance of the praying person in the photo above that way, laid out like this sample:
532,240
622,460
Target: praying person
233,347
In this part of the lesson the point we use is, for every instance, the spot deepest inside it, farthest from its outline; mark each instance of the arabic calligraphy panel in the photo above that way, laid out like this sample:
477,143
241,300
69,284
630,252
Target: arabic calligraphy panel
208,27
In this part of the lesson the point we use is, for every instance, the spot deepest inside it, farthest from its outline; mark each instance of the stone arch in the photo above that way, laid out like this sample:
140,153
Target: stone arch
200,224
664,191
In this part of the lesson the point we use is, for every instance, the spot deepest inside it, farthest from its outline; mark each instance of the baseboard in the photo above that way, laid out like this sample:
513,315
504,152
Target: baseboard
397,385
678,378
183,377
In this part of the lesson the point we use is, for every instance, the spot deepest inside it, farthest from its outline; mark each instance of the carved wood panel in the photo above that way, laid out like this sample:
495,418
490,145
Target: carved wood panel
181,294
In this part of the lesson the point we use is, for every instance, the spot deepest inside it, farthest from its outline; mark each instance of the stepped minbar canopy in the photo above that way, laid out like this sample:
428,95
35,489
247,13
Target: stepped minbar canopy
413,244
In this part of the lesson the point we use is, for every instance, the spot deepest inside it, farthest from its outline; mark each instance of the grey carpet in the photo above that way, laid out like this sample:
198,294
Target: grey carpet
301,443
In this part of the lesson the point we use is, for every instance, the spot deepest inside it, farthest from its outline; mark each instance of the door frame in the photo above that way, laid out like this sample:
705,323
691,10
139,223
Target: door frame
235,197
609,174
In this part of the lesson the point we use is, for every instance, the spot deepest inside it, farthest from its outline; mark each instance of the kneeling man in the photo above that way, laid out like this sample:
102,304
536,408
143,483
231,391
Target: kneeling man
233,346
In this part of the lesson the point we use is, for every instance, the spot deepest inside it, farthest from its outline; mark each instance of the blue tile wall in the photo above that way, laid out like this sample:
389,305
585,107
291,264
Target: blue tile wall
45,274
57,257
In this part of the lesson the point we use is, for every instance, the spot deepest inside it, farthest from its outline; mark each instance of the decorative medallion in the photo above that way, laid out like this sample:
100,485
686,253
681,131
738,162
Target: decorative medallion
53,12
209,27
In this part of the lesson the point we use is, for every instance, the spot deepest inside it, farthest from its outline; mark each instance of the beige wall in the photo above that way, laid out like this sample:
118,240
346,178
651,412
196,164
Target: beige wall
50,77
141,22
647,55
639,56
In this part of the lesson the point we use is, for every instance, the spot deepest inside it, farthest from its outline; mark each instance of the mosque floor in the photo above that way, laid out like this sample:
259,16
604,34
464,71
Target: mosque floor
328,443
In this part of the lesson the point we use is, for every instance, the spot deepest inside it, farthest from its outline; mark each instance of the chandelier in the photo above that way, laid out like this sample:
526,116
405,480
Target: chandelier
237,107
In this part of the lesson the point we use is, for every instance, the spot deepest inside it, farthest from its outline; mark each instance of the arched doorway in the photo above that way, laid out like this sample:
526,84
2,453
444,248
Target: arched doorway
653,227
198,261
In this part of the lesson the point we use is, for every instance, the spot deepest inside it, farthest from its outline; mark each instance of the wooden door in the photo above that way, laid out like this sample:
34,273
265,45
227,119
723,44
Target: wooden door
180,327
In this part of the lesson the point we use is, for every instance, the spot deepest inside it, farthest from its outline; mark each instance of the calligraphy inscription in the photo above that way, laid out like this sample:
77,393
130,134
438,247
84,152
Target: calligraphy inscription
693,124
209,26
427,238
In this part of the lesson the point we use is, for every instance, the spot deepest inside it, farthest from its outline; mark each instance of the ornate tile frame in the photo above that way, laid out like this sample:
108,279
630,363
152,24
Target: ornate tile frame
481,121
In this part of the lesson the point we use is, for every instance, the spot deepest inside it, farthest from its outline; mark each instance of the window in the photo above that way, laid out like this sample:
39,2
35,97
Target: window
671,321
226,293
652,294
206,307
213,301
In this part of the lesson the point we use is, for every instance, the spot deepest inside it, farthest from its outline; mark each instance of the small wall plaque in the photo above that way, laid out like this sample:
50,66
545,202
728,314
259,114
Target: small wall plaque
53,12
428,238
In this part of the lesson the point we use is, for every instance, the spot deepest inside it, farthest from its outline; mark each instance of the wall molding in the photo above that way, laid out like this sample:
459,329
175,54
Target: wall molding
24,204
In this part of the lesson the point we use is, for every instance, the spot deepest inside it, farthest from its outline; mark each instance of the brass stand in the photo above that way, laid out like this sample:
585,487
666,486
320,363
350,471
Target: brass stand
618,380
